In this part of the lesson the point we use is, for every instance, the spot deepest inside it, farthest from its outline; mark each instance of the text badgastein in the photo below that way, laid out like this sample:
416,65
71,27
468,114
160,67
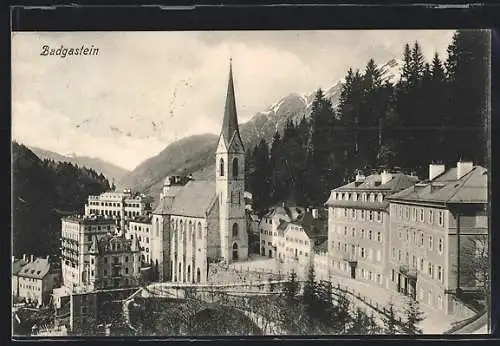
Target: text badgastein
64,52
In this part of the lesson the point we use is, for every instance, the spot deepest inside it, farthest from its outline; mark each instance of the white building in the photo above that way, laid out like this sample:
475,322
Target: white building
122,206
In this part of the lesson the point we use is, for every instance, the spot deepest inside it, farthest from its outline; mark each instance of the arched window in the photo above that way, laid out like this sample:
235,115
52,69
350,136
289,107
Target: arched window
235,167
199,230
235,230
221,167
235,251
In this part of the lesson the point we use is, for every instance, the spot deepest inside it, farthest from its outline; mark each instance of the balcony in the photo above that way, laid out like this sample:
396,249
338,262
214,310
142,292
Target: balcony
351,258
117,264
409,271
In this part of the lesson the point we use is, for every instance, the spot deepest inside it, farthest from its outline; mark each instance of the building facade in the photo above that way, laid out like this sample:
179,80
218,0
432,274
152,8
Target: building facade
140,228
201,221
77,234
36,280
439,228
121,206
272,234
358,226
114,262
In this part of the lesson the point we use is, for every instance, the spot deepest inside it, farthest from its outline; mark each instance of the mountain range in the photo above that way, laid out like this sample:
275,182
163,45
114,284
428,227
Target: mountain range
110,171
196,154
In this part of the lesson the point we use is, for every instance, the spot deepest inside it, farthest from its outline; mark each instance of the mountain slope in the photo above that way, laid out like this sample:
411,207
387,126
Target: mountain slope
184,156
196,154
41,193
109,170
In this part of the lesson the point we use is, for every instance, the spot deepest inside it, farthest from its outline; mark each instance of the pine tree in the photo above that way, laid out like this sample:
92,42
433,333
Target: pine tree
413,317
390,323
467,71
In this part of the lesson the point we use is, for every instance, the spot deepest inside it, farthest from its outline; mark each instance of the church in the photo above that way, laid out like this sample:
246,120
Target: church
198,222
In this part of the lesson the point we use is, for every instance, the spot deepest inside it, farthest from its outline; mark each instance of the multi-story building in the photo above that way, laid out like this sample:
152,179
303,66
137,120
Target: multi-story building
121,206
140,228
114,262
358,226
269,228
36,279
438,229
17,265
77,234
299,239
204,220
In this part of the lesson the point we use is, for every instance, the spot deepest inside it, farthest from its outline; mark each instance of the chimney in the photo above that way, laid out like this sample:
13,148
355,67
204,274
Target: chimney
315,213
435,170
13,259
32,258
385,177
24,258
463,168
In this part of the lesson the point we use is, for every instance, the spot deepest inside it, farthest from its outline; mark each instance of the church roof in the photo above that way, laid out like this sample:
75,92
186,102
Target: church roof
230,127
194,199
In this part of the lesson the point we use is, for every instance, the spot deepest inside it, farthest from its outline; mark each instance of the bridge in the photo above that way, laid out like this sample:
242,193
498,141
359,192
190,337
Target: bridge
185,303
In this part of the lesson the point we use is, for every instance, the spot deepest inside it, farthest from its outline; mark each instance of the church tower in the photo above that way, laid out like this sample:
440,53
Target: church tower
230,183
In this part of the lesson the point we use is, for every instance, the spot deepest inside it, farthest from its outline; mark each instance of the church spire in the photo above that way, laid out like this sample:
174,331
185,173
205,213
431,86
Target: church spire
230,123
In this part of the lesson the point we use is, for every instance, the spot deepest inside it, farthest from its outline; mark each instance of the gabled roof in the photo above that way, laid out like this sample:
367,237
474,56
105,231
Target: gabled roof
37,269
314,228
195,199
17,265
447,189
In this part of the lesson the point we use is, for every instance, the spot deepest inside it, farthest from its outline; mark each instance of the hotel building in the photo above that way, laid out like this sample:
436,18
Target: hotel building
358,226
438,228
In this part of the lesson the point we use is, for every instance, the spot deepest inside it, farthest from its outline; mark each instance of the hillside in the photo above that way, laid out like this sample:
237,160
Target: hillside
188,155
196,154
109,170
42,191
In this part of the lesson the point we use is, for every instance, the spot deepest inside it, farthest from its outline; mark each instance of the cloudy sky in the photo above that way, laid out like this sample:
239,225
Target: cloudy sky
146,89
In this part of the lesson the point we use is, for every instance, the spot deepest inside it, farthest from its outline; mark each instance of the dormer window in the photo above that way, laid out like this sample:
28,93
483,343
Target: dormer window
354,196
380,198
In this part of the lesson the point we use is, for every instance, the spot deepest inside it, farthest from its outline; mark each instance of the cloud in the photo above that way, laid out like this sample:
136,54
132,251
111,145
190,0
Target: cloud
146,89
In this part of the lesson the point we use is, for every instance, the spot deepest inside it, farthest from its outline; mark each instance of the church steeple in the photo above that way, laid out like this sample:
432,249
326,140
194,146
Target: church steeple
230,127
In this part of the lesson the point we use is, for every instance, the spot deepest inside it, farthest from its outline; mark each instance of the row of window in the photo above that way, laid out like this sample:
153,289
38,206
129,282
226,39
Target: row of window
298,241
365,274
362,234
433,271
140,228
129,213
359,214
356,250
421,215
235,167
354,196
421,240
296,251
115,204
30,287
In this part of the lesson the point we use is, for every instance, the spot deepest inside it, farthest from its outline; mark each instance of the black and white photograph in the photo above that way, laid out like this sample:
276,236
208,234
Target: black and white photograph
250,183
